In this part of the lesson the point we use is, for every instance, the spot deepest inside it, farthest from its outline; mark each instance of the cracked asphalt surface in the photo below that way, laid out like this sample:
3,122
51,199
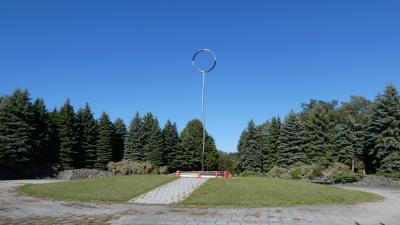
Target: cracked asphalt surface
19,209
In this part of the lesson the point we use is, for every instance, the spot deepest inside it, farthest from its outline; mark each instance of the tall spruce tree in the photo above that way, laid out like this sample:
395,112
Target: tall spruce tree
54,138
291,149
88,138
41,135
250,155
119,139
80,155
171,144
191,146
348,146
16,130
68,137
211,156
153,142
383,132
263,133
271,155
104,149
320,135
133,145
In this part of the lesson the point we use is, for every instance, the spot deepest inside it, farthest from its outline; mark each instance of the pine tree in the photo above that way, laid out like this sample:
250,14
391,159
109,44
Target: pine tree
171,144
16,130
191,147
348,147
119,139
263,134
78,127
291,149
270,156
41,134
250,154
383,132
211,156
104,142
133,145
319,135
68,137
54,138
88,138
153,142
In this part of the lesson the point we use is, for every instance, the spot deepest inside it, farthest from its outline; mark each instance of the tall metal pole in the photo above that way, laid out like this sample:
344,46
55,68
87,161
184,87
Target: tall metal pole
203,121
203,72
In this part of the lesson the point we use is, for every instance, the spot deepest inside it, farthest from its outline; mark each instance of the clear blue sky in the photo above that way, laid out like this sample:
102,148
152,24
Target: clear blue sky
128,56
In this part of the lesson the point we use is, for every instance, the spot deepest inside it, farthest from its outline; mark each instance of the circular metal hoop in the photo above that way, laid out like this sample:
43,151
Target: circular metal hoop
200,69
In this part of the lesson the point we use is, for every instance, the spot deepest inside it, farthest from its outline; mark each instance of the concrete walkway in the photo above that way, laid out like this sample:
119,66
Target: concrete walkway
172,192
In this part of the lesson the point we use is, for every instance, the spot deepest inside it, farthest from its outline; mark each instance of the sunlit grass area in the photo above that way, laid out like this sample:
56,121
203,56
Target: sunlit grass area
107,189
262,191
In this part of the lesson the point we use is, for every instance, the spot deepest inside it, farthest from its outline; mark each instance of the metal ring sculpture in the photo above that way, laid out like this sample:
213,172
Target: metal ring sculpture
200,69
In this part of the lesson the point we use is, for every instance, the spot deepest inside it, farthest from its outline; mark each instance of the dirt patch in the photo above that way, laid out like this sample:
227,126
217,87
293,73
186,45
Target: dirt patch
255,214
205,213
177,210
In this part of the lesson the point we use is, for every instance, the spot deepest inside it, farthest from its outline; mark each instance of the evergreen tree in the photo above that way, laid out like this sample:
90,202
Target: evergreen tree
78,127
250,155
319,135
104,150
119,139
41,134
54,138
16,130
348,147
68,137
171,144
191,146
383,133
153,141
263,135
211,156
133,145
88,136
291,149
270,156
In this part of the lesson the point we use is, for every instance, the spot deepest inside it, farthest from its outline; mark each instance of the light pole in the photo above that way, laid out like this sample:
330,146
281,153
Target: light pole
203,72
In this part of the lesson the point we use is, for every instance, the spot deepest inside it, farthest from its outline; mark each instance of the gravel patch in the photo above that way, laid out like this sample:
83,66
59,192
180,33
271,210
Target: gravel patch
376,181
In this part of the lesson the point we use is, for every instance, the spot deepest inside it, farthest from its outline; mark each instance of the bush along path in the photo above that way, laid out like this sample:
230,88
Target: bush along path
172,192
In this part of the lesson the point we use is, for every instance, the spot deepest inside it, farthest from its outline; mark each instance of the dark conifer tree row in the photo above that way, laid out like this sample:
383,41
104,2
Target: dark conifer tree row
359,133
33,137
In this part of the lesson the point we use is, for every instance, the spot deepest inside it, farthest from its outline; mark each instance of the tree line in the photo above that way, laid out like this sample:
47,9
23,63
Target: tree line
31,136
361,133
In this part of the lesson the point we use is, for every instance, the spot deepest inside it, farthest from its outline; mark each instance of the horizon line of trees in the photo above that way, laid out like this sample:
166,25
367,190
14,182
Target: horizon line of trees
33,137
360,133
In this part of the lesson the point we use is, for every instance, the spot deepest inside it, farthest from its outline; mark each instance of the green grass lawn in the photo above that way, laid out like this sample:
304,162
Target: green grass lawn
262,191
107,189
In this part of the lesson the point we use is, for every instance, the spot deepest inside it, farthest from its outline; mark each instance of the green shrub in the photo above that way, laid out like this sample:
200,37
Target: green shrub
300,172
135,168
360,167
346,177
163,170
317,170
334,169
278,172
